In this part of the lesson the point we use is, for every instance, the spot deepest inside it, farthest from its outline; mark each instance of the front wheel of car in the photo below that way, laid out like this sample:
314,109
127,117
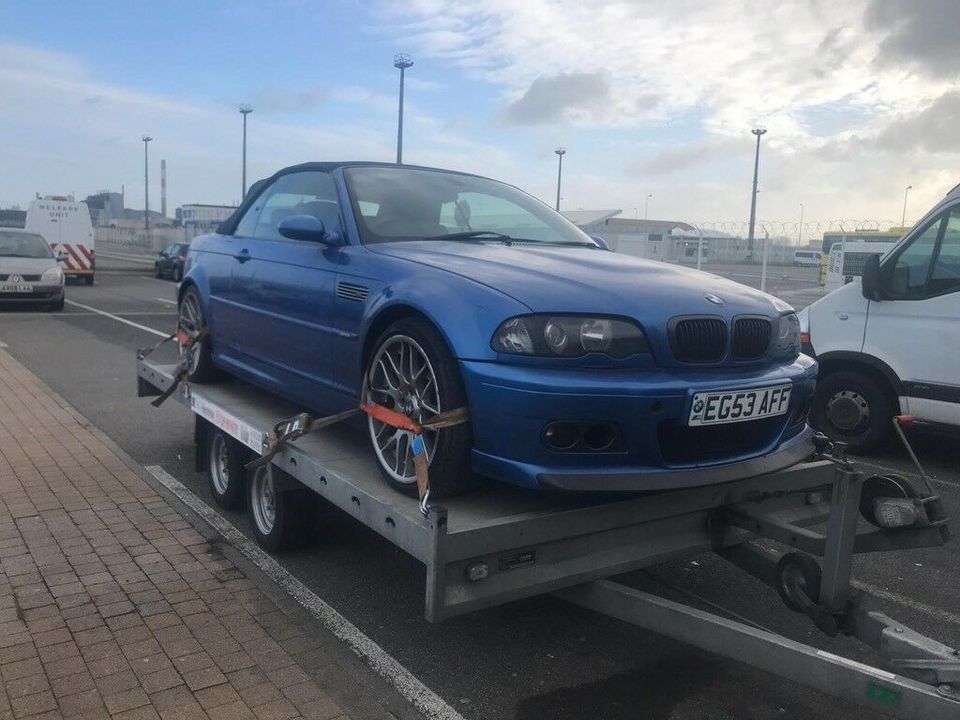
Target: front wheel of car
412,371
851,407
191,319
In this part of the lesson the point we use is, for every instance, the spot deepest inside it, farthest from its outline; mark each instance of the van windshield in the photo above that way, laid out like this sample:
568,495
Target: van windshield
25,245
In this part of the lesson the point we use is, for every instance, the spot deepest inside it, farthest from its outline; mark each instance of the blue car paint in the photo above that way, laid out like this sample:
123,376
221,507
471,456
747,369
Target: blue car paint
287,330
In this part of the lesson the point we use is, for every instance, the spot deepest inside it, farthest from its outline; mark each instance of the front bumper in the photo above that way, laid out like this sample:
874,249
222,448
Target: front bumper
510,406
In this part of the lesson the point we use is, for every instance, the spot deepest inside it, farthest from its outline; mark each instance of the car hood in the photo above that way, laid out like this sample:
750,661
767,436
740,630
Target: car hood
25,266
586,280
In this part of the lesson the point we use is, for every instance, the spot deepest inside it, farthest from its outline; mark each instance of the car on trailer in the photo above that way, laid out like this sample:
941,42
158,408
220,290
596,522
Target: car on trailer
423,291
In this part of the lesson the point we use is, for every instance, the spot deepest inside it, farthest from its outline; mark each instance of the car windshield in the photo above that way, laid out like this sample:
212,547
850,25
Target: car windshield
23,245
410,204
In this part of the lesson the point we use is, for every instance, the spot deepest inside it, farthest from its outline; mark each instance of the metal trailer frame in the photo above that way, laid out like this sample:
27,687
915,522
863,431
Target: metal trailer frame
501,544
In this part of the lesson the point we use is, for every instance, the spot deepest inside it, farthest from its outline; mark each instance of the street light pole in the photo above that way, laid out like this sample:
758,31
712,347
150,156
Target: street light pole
560,151
401,61
800,227
903,217
758,131
244,110
146,184
646,205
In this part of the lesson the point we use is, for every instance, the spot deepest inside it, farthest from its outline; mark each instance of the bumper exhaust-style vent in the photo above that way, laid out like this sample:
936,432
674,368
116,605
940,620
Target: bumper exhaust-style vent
350,291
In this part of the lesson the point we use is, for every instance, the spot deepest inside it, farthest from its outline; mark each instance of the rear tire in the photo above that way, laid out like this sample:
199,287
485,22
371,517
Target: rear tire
279,519
190,317
88,280
851,407
225,473
448,449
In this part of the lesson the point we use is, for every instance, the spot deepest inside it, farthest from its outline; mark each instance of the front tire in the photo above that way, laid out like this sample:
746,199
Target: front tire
852,407
411,370
191,319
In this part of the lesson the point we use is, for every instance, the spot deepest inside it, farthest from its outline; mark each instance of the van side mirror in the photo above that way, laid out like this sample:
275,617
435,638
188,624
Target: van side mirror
62,256
309,229
870,280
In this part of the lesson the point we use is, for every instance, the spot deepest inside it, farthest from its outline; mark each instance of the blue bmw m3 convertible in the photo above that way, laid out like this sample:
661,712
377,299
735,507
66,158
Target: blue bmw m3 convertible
423,290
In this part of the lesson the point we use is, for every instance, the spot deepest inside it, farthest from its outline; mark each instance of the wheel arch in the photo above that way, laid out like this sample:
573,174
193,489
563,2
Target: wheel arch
876,368
385,318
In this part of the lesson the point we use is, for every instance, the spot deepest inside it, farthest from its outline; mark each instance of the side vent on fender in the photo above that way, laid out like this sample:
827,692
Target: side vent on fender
350,291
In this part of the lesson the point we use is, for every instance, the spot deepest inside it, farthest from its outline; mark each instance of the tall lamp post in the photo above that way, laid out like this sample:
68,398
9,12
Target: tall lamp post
903,217
800,227
245,110
758,131
646,205
146,184
401,61
560,151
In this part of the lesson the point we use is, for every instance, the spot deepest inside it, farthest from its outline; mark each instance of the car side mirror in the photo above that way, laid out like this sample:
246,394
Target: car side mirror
604,245
870,280
307,228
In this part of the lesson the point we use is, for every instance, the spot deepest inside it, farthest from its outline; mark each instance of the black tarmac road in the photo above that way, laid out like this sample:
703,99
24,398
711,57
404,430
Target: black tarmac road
532,660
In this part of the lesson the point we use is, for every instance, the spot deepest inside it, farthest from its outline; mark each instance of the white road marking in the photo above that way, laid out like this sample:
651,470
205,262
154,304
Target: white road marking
3,344
381,662
168,302
118,319
932,611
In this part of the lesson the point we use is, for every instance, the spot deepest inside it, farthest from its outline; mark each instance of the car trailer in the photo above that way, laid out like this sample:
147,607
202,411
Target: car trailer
502,543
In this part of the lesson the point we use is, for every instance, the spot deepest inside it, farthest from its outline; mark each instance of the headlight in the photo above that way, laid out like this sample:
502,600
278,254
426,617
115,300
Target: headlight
569,336
53,275
788,336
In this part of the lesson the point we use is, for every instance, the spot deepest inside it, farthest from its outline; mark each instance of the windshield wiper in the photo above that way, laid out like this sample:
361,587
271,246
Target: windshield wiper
473,234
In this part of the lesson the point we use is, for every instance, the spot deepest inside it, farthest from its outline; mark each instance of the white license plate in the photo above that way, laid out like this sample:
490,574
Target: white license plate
9,288
715,408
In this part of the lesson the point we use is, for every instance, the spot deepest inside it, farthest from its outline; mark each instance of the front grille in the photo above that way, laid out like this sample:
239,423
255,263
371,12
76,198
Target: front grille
698,340
751,338
683,445
26,278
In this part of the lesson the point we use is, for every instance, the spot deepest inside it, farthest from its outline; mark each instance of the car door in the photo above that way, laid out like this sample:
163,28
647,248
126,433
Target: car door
284,290
915,328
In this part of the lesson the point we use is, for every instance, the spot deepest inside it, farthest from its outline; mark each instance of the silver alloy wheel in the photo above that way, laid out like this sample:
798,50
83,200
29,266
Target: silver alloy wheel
402,378
190,320
219,464
263,500
848,410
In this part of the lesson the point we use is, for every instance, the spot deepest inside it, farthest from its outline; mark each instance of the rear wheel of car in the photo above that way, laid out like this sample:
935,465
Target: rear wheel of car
279,518
852,407
190,319
225,474
412,371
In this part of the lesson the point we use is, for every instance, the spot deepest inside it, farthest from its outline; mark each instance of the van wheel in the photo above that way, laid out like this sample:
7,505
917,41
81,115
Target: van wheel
279,518
88,280
190,318
225,475
412,371
851,407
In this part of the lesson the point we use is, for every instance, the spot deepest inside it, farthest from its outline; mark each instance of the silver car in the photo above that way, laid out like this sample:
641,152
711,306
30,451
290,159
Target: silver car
29,271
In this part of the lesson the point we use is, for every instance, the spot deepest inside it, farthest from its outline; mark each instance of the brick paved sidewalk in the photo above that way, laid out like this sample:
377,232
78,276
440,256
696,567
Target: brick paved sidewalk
113,605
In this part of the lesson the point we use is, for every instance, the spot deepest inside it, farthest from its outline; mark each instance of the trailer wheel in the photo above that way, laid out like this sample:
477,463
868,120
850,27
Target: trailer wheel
798,571
279,518
225,461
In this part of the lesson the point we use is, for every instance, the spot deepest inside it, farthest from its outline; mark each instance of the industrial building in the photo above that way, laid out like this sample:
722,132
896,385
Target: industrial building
198,219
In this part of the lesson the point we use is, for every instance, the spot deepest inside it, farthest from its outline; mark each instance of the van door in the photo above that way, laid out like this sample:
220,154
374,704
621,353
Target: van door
915,328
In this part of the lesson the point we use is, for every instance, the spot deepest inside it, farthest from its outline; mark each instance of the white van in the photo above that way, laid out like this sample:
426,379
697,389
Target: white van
66,225
888,342
806,258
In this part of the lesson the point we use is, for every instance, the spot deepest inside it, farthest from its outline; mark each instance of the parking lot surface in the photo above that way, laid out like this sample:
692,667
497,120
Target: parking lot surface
529,660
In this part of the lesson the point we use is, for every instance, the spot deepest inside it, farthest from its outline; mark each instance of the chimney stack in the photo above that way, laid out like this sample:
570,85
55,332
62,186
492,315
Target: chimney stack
163,188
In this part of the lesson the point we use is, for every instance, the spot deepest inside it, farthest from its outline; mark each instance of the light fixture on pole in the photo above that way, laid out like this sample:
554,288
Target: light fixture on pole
245,110
401,61
758,131
800,227
646,205
903,217
146,184
560,151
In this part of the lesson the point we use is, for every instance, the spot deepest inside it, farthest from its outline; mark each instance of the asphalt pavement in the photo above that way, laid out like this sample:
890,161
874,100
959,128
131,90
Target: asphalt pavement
539,658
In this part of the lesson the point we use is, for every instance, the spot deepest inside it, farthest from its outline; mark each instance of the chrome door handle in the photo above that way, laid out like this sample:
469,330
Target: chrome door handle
243,255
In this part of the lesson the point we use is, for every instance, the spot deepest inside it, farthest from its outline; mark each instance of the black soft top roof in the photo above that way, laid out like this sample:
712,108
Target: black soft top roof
228,226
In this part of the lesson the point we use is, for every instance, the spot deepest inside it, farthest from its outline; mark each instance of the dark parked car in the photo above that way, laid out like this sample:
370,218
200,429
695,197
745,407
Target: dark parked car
169,262
423,290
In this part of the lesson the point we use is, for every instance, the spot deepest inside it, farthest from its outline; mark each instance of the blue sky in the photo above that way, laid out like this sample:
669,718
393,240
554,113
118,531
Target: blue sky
647,97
